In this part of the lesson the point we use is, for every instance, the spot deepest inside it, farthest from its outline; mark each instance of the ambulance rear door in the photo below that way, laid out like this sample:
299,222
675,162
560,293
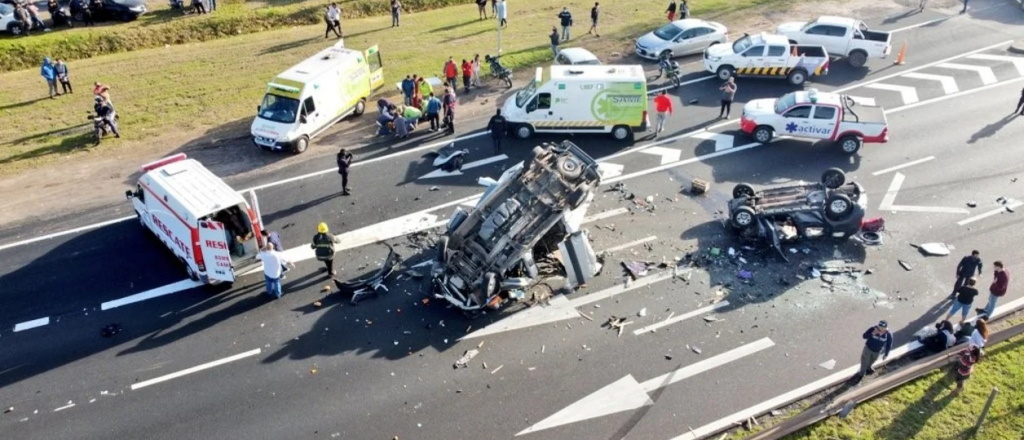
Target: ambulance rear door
213,243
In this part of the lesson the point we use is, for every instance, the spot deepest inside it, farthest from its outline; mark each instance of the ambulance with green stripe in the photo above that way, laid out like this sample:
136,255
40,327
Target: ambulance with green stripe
767,56
581,99
309,97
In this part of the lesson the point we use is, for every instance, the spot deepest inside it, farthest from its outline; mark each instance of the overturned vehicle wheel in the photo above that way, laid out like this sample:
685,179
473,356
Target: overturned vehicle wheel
743,217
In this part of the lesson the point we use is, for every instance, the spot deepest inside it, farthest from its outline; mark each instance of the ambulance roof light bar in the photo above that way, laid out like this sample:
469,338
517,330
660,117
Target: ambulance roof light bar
159,163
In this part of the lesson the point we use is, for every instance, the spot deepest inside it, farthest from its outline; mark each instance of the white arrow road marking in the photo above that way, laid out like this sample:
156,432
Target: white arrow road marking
668,155
948,82
466,166
890,197
1011,203
1017,61
607,170
902,166
986,74
683,317
722,141
626,394
909,94
563,309
862,100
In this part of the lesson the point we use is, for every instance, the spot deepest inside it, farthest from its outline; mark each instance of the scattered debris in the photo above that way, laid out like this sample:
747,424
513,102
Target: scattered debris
642,313
698,186
317,304
972,204
434,188
9,409
325,289
463,361
649,199
668,357
110,330
828,365
636,269
498,368
695,349
618,323
938,249
776,413
542,348
414,273
712,318
745,274
313,370
425,301
906,266
584,315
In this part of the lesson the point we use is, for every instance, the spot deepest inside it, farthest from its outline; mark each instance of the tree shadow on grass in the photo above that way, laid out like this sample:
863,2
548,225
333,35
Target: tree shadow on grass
66,145
909,422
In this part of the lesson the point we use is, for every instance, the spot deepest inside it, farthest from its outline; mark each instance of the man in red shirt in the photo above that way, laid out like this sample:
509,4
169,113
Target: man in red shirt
467,73
998,288
663,106
451,72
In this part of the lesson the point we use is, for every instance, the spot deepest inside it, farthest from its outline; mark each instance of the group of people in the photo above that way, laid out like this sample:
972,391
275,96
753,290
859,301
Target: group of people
682,8
54,72
470,71
566,22
28,15
498,11
196,6
58,72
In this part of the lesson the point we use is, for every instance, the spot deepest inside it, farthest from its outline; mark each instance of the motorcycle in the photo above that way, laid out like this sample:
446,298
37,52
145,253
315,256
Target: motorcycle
449,158
670,69
61,15
498,71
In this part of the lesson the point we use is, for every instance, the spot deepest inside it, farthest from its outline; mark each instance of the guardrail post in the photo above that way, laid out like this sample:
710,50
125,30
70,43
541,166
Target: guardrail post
984,411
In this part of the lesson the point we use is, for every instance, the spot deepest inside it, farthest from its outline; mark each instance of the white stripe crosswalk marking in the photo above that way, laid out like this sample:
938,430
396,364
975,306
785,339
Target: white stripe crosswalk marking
1018,62
909,94
948,83
986,74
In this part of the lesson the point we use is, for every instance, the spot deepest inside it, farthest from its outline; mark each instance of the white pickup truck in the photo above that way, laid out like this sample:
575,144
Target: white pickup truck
814,115
766,55
841,36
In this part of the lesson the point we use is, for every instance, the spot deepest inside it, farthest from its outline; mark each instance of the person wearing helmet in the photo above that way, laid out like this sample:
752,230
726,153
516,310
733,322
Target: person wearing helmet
323,245
665,63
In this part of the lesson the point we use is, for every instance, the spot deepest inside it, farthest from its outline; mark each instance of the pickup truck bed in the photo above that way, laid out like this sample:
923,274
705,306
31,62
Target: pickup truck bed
876,36
810,51
865,114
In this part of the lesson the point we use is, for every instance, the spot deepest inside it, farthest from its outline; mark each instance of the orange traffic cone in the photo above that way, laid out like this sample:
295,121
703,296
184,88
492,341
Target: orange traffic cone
902,55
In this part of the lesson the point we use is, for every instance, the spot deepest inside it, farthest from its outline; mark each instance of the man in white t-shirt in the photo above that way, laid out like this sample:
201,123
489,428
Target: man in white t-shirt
273,262
333,19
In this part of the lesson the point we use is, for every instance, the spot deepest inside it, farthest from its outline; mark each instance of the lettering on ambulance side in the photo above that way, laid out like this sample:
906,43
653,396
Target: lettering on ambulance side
216,244
170,235
796,129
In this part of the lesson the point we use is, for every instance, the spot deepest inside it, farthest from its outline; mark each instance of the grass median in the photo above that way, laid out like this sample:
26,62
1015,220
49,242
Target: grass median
185,88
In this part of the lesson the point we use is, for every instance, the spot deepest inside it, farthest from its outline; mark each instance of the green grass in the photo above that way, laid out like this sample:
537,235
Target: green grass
925,410
183,88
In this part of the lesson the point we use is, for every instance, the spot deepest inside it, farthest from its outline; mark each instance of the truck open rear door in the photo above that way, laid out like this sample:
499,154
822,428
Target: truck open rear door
256,217
213,243
376,64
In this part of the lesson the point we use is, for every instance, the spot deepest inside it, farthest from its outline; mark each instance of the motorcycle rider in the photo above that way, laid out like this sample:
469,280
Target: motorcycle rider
665,64
106,114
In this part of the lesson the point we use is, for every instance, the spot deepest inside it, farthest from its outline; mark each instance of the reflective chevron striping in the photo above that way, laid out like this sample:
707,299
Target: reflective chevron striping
909,94
948,83
986,74
1018,62
764,71
547,124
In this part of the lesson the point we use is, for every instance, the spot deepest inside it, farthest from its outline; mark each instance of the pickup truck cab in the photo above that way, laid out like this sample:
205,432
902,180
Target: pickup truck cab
766,55
813,115
841,37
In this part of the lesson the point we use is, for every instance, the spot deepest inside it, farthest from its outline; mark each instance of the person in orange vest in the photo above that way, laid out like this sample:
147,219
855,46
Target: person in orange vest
467,73
663,106
451,72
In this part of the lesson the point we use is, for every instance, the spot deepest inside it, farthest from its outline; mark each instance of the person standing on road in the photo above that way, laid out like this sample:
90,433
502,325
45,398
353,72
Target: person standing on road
969,267
964,366
498,126
663,106
62,75
1000,282
467,73
476,71
396,10
49,73
594,12
451,72
671,11
1020,103
449,110
323,245
408,89
565,18
728,93
554,40
333,19
502,14
433,113
481,7
964,297
344,160
878,342
274,263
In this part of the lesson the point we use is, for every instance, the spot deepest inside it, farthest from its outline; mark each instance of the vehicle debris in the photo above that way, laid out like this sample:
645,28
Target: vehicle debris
668,357
317,304
584,315
369,284
642,312
937,249
972,204
712,318
463,361
695,349
434,188
110,330
325,289
636,269
828,365
499,367
617,324
906,266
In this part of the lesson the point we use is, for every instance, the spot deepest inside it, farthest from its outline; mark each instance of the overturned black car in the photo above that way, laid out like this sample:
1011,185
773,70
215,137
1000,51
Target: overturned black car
830,208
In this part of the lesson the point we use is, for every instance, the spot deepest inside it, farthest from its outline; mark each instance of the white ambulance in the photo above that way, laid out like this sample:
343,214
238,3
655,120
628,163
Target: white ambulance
210,227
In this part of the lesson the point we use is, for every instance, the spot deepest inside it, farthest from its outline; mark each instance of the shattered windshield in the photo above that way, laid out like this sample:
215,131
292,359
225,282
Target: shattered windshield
523,96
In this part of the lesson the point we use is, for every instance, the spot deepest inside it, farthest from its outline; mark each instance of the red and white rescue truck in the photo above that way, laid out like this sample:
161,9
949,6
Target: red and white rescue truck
813,115
211,228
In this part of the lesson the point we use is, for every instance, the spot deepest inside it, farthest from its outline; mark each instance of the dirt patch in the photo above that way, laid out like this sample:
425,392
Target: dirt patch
99,179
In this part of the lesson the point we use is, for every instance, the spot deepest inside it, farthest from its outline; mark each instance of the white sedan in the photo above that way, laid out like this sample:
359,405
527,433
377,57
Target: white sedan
576,56
681,37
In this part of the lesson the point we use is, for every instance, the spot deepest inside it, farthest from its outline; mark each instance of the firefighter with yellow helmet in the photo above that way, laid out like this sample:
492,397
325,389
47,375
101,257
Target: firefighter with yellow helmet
323,245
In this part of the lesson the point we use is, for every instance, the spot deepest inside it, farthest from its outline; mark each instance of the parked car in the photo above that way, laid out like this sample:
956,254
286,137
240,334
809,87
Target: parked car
575,56
120,10
841,37
832,207
813,115
681,37
9,21
490,254
766,55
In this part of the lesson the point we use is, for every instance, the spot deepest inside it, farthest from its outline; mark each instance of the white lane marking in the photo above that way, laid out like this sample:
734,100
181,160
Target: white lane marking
1013,204
722,141
680,318
150,294
814,387
605,214
684,83
70,405
626,394
688,161
22,326
629,245
985,72
666,154
870,102
948,82
909,94
1017,62
955,95
631,150
194,369
607,170
560,309
914,26
466,166
902,166
890,198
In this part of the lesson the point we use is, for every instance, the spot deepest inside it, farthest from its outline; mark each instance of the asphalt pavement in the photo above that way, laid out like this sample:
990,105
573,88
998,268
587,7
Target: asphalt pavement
383,368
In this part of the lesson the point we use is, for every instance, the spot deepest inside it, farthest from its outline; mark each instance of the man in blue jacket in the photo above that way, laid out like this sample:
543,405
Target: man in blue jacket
434,112
565,18
408,87
878,342
49,73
